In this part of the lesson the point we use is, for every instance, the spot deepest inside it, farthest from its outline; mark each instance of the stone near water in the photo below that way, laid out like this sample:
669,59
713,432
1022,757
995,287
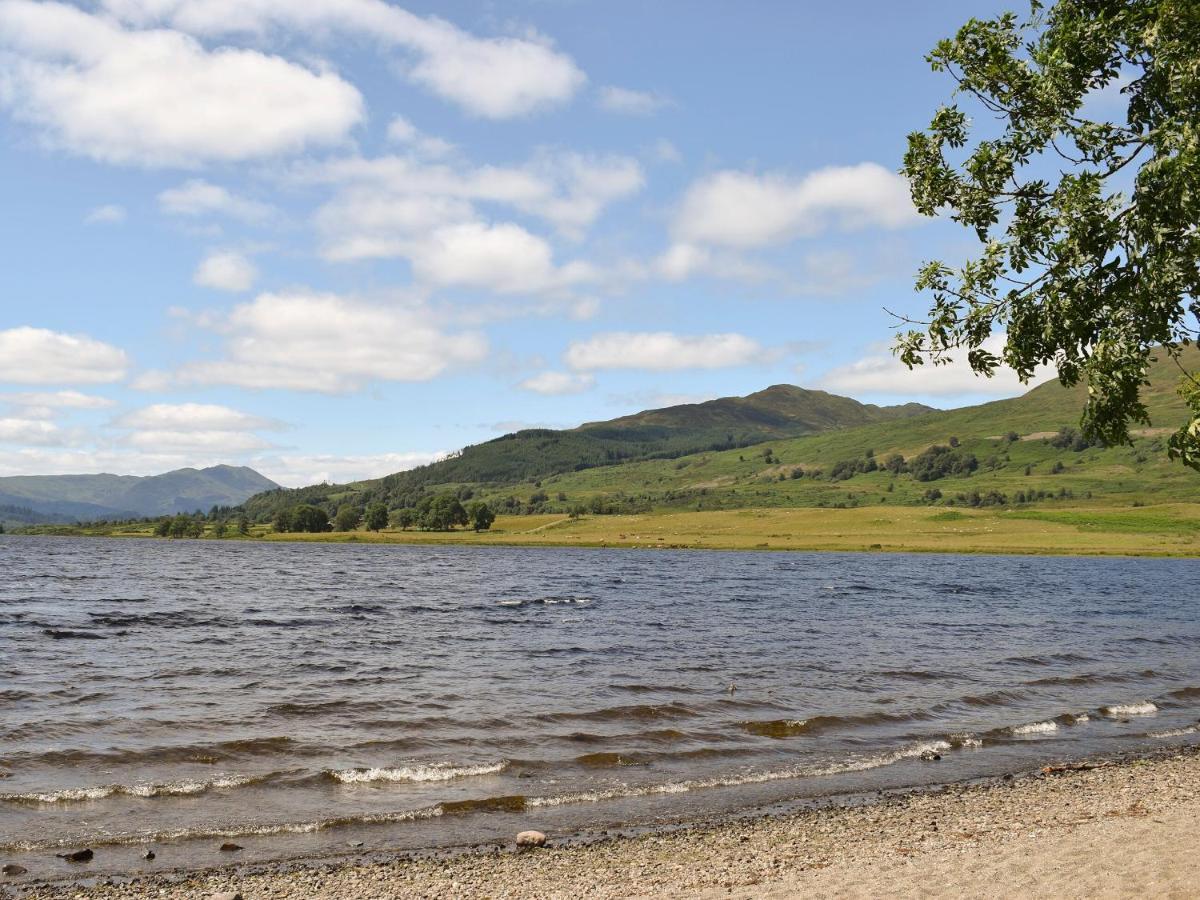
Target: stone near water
84,855
930,755
149,854
230,847
531,839
14,869
226,895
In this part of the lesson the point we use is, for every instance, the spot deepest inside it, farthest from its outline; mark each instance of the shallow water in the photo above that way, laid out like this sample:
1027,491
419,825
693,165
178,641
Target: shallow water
307,698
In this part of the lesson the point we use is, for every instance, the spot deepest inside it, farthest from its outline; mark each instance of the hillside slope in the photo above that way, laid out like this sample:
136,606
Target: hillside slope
55,498
533,454
786,470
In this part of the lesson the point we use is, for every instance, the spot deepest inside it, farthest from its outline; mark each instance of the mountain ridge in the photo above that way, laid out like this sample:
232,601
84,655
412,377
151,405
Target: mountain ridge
90,497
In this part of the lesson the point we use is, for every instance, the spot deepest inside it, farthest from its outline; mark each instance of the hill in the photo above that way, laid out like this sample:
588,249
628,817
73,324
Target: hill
531,455
785,446
65,498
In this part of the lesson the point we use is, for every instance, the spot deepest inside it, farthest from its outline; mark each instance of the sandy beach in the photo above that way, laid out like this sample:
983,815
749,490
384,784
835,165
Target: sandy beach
1106,829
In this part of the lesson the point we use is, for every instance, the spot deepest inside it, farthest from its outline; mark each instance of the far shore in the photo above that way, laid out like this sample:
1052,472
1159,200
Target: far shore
1105,828
1170,530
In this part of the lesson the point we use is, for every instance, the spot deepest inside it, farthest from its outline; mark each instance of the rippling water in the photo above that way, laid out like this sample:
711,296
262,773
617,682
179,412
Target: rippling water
305,698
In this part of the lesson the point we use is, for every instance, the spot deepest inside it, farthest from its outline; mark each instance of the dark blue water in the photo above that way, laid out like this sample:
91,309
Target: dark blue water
304,698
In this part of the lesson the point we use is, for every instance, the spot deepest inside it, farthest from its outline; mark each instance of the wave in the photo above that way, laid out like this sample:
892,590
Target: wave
783,728
181,788
1187,693
1047,727
415,774
1119,710
203,753
265,829
1176,732
862,764
554,600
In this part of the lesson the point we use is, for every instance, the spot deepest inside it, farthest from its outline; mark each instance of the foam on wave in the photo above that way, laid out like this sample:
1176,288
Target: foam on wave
415,774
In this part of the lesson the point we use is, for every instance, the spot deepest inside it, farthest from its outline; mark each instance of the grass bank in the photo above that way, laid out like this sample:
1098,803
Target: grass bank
1162,530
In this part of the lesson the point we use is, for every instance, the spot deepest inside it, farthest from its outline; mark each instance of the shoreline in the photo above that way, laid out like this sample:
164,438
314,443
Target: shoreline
1166,531
1106,826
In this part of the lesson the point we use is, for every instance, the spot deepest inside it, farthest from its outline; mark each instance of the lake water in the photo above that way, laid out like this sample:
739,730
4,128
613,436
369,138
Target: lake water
303,699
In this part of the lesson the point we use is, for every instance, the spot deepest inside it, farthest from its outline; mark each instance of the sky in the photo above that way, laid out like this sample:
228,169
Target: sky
339,238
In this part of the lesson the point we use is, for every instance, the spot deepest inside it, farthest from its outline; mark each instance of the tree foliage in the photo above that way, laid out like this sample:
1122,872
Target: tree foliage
1082,183
377,516
348,517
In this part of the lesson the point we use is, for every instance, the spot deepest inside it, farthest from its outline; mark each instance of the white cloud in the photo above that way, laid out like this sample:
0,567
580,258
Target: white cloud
402,131
389,206
198,197
109,214
629,102
882,374
29,431
559,383
57,400
159,97
683,260
299,470
493,77
327,343
664,151
504,258
38,356
662,350
222,443
739,209
225,270
194,417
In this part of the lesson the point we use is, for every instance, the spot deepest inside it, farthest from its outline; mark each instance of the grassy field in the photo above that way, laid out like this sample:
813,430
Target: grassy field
1163,530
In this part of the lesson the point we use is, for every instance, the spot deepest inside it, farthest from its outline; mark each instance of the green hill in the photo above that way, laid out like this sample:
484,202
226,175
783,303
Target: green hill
59,498
786,446
531,455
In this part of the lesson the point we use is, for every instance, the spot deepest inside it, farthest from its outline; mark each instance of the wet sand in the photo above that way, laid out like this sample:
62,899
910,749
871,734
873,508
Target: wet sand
1126,828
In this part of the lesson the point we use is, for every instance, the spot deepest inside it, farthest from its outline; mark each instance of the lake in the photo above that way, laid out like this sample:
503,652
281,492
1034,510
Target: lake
308,699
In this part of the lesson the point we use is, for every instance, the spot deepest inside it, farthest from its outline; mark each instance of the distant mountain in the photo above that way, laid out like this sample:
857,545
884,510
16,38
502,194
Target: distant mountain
781,411
59,498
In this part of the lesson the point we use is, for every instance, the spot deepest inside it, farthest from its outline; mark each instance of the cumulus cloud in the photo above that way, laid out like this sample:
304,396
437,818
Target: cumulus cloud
303,469
194,417
159,97
197,197
29,431
662,350
629,102
39,356
492,77
327,343
57,400
226,270
881,374
109,214
559,383
222,443
390,205
504,258
401,131
740,209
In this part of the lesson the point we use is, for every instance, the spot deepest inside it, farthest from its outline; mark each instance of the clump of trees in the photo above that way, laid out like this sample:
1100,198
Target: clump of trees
303,518
940,461
1072,439
848,468
443,512
180,526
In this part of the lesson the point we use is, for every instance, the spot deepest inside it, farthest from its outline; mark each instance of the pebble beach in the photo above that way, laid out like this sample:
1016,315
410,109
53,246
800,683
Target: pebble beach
1104,828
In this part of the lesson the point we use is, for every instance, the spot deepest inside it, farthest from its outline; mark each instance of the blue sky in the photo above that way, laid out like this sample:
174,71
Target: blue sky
337,238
